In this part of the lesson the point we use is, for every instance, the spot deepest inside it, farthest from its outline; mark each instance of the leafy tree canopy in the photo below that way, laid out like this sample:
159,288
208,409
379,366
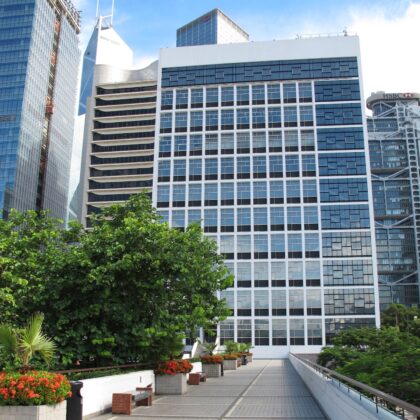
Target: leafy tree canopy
404,318
123,292
386,359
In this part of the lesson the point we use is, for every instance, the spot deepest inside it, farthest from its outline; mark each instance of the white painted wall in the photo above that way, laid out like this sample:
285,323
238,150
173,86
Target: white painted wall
338,403
97,392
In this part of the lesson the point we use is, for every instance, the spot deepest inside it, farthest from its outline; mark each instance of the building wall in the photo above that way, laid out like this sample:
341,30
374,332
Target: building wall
265,145
29,28
393,142
119,137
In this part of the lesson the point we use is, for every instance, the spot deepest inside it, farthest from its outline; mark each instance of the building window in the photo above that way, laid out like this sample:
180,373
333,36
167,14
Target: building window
258,142
294,221
212,97
194,195
278,246
260,192
210,220
278,302
277,218
227,119
227,330
244,274
166,123
275,141
306,116
212,120
227,167
195,172
260,219
289,93
243,143
258,118
294,242
296,303
165,145
212,144
244,219
242,118
182,99
227,96
210,194
273,93
196,121
259,167
178,219
164,171
274,117
311,245
197,98
227,143
308,165
163,196
295,274
227,194
244,331
227,246
307,140
261,275
242,95
310,218
180,170
278,277
194,216
244,247
167,99
196,145
178,195
279,332
313,302
291,141
305,92
313,274
309,191
227,220
276,191
292,165
258,94
243,302
314,334
181,119
293,191
211,169
180,146
243,193
276,166
297,332
290,116
243,167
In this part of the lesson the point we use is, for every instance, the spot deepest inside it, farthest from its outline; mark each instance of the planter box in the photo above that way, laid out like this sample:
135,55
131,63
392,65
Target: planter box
171,384
249,357
230,364
239,362
34,412
212,370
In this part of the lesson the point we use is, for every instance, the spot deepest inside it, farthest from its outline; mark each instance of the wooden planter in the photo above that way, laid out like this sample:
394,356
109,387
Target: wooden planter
230,364
34,412
171,384
212,370
194,379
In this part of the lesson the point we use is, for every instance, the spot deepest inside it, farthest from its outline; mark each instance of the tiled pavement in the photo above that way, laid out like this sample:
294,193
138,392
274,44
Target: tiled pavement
262,390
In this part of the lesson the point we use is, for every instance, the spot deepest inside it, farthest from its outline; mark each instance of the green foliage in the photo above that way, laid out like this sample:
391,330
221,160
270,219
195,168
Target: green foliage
209,347
386,359
123,292
21,345
231,346
404,318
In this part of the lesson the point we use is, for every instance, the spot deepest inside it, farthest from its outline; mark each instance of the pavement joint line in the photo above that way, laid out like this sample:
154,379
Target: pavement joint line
233,405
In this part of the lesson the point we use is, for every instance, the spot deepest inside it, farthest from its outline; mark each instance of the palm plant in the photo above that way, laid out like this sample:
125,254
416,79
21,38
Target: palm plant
25,343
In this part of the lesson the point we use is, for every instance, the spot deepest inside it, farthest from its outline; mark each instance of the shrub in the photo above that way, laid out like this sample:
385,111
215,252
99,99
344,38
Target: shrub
33,388
172,367
231,356
211,360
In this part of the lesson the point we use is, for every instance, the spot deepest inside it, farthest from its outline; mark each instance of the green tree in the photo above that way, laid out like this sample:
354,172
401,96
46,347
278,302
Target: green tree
121,292
386,359
404,318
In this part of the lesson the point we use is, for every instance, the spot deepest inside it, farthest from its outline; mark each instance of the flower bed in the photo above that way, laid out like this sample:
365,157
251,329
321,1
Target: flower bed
172,367
211,360
33,388
231,356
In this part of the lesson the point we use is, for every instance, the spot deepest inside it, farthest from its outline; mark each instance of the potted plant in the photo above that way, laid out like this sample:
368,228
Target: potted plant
25,393
171,377
230,361
232,347
244,349
212,365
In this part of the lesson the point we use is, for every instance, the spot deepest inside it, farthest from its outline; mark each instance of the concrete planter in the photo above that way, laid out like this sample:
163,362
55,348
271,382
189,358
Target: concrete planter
239,362
171,384
34,412
249,357
230,364
212,370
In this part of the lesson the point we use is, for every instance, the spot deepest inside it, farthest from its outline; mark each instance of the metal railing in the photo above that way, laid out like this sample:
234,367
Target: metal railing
379,398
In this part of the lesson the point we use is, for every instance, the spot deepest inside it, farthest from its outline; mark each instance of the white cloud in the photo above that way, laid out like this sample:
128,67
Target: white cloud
389,46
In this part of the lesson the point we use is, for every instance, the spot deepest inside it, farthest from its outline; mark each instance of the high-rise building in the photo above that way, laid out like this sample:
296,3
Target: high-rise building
394,138
119,132
38,63
265,144
213,27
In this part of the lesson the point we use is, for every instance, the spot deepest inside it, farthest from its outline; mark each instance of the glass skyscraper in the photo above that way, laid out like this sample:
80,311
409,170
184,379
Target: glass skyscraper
394,135
213,27
39,59
270,155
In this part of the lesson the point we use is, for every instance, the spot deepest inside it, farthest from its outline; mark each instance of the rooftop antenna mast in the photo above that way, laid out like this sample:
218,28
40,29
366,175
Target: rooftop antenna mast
108,18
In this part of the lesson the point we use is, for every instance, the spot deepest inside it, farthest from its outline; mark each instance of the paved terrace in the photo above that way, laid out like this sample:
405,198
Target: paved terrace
264,389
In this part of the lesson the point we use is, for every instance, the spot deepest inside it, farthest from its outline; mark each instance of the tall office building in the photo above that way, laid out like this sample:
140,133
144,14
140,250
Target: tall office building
265,144
394,138
119,130
38,64
213,27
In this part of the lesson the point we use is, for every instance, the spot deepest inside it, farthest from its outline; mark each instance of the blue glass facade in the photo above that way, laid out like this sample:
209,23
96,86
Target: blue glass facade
270,158
393,144
38,69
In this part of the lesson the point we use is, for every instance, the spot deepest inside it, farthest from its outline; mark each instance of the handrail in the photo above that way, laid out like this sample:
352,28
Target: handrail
97,369
413,409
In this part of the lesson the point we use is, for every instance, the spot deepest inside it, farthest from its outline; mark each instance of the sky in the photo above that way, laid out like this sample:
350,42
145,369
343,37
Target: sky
389,30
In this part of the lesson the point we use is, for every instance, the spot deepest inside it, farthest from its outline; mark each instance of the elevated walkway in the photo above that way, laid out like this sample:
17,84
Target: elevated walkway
261,390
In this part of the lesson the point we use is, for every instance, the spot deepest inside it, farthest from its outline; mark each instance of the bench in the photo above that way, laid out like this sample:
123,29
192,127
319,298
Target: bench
122,401
196,378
